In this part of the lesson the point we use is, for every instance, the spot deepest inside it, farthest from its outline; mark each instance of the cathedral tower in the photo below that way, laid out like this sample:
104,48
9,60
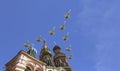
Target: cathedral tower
46,56
60,59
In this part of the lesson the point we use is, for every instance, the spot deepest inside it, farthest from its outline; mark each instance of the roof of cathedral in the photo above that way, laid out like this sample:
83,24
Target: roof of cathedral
26,54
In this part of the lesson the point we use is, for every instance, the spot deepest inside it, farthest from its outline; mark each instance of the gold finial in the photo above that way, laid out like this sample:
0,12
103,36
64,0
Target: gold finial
45,46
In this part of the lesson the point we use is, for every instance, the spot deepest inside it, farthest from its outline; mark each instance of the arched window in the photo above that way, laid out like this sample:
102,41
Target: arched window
28,69
39,69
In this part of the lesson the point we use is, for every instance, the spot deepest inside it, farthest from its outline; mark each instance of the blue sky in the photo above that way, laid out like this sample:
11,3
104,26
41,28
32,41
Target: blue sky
94,30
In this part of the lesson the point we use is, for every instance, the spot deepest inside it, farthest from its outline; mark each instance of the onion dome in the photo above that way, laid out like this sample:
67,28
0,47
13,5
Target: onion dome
46,56
32,51
57,51
45,50
56,47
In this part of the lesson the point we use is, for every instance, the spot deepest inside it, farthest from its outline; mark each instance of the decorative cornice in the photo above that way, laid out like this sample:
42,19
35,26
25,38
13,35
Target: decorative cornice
26,54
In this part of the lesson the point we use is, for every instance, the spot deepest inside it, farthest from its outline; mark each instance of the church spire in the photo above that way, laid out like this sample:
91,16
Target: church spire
45,55
45,45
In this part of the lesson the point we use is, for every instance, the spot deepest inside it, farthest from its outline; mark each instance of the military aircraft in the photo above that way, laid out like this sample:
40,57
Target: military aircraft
70,56
62,27
39,39
66,37
52,32
67,15
68,48
26,44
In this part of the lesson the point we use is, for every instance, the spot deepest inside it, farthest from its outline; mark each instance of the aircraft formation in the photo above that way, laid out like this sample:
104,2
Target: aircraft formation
52,33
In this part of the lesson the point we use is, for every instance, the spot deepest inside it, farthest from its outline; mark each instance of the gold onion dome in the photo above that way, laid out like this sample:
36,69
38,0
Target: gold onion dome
45,49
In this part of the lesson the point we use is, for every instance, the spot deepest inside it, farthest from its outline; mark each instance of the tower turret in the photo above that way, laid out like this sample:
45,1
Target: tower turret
60,58
32,51
46,56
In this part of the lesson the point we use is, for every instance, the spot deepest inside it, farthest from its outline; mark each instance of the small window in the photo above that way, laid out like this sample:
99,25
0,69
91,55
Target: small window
27,69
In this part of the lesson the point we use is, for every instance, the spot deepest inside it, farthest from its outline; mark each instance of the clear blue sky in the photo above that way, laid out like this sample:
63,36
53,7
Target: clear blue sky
94,30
